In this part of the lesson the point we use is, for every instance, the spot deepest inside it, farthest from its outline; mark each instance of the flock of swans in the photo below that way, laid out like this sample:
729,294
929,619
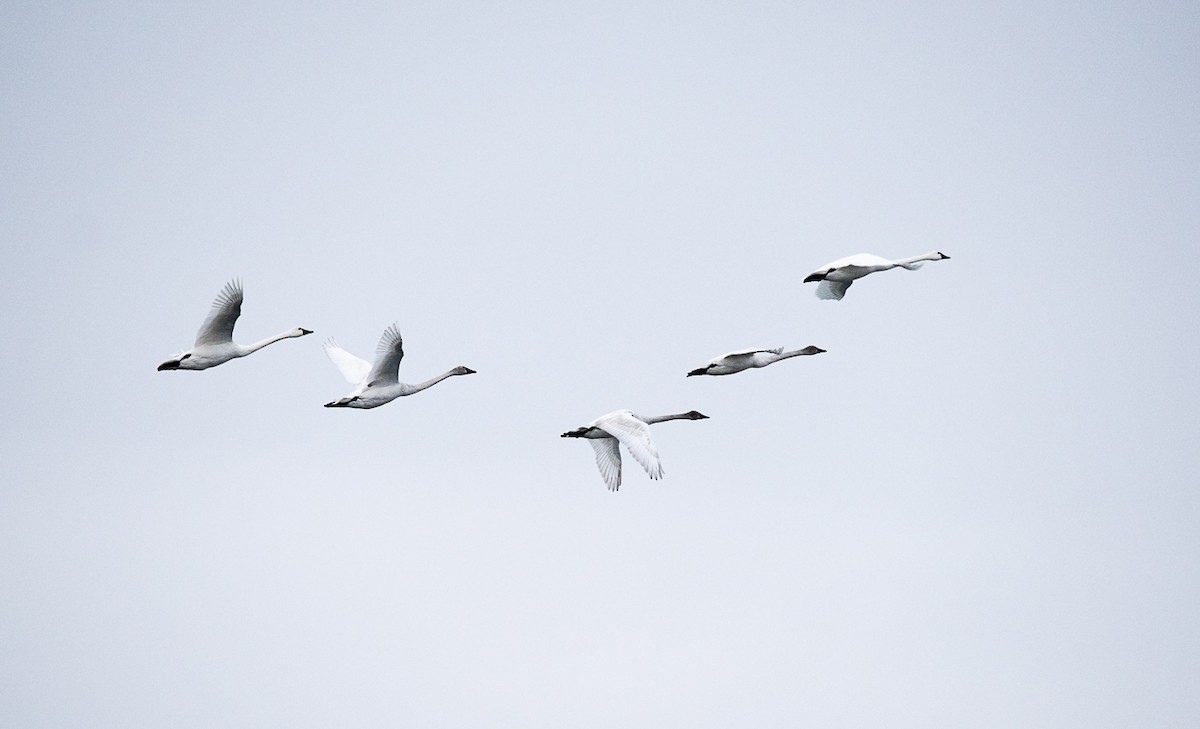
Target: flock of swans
378,383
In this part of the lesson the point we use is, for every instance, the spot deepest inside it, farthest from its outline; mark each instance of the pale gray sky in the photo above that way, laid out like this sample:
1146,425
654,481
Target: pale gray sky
979,508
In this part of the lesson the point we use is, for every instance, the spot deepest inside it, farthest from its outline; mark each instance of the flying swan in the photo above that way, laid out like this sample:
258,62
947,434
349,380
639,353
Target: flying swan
836,277
623,426
744,359
214,342
378,384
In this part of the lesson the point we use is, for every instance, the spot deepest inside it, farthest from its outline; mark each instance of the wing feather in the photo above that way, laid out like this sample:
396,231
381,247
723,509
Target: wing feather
832,289
748,352
865,260
635,436
218,325
354,369
608,460
388,354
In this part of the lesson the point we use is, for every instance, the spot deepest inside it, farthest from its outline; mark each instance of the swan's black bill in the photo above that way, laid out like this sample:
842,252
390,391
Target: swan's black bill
814,277
169,365
701,371
304,331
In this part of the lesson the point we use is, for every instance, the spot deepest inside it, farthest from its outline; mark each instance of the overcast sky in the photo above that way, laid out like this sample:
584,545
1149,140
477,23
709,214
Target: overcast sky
979,508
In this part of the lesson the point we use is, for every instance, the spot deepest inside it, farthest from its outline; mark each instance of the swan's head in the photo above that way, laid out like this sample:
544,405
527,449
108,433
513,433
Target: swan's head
300,332
695,415
817,276
462,371
943,256
700,371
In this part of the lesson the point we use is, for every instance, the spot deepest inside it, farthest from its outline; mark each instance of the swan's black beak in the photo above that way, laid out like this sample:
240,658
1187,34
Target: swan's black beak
169,365
944,256
469,371
701,371
814,277
304,331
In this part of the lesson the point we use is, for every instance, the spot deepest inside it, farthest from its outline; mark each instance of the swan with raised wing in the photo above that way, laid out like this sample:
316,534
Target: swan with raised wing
836,277
214,342
378,384
606,432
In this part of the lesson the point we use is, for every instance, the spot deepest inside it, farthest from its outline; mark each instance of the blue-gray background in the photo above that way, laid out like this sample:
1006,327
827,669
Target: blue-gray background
980,508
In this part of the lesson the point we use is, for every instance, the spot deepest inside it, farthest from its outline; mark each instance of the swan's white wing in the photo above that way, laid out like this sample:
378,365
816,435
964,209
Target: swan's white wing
866,260
354,369
635,436
218,326
608,460
388,354
832,289
748,352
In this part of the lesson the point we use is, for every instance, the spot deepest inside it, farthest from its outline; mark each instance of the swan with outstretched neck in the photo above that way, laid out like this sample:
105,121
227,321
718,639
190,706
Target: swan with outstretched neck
214,342
379,383
836,277
744,359
625,427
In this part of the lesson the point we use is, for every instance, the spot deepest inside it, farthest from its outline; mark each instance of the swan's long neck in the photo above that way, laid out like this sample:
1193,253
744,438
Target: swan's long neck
799,353
409,389
652,419
915,262
250,348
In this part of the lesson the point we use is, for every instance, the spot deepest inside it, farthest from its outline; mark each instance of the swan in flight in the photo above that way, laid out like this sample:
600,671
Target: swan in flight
214,342
623,426
836,277
744,359
378,384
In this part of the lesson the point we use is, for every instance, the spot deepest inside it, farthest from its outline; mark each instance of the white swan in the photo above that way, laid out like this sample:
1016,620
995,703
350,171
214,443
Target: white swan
744,359
214,342
836,277
378,384
623,426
